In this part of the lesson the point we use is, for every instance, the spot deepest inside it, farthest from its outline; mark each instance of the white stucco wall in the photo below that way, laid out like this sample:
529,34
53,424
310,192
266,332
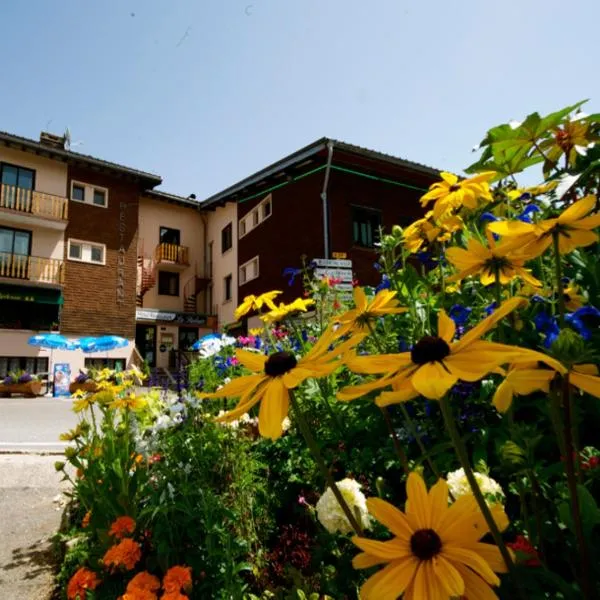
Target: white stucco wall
224,263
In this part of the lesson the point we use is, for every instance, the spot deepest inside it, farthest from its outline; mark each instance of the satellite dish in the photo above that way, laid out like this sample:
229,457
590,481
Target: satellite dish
68,142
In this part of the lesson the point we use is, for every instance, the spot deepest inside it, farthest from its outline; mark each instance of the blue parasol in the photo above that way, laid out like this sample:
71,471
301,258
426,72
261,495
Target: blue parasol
52,341
104,343
211,336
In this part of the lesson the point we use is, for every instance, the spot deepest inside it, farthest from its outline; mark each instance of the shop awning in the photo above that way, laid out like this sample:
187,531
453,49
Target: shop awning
37,295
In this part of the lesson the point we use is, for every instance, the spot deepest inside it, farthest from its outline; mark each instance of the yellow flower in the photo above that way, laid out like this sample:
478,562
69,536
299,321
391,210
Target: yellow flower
585,377
252,302
573,228
284,310
274,376
128,402
426,230
482,261
574,138
451,194
255,332
533,191
573,299
521,380
435,552
82,401
436,363
357,319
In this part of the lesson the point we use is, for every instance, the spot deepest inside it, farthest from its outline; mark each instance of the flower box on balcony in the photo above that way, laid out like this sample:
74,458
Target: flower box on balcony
87,386
29,389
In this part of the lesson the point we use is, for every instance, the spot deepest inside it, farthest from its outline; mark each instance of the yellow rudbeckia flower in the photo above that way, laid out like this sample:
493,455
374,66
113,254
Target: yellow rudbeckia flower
273,376
572,225
284,310
451,194
252,302
585,377
128,402
482,261
426,230
573,299
521,380
435,551
358,318
436,363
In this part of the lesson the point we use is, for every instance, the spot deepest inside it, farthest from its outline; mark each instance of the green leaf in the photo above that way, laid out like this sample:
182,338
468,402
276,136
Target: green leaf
590,514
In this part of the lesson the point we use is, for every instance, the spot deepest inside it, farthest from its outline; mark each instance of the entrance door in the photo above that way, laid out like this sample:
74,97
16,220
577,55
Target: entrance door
188,336
145,340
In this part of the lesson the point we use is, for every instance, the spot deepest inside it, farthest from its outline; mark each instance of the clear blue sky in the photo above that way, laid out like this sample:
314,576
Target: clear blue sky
205,92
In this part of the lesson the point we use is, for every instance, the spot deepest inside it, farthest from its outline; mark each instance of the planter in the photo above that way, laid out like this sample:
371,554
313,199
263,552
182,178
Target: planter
87,386
30,389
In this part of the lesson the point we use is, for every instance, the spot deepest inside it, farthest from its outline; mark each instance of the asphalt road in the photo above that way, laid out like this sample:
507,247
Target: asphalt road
34,424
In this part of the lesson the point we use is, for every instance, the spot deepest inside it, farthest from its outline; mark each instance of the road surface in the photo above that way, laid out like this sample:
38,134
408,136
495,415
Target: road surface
30,491
34,424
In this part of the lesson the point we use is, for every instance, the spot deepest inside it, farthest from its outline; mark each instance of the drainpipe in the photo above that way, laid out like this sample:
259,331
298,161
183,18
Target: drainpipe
325,202
204,218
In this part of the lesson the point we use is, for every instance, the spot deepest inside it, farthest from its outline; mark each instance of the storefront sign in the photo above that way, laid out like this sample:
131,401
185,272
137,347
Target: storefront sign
25,294
151,314
62,379
121,255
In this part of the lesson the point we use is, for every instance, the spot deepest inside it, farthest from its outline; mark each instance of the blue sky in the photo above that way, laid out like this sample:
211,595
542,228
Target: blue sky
205,92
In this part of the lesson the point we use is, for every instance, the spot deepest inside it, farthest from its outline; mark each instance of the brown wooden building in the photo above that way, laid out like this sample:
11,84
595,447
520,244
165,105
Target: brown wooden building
329,197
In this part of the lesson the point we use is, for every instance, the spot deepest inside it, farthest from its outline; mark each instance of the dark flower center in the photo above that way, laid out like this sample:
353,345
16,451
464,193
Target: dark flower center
429,349
567,297
425,544
280,363
455,187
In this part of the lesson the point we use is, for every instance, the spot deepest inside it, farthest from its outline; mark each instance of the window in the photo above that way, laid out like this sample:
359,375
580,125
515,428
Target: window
99,197
89,194
256,216
168,283
88,252
365,226
78,193
15,241
227,288
170,236
249,271
17,185
226,238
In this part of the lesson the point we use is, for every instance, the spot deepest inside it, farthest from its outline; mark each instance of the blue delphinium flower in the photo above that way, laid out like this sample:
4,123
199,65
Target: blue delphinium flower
490,309
525,216
547,325
377,266
426,259
460,314
385,283
292,273
583,320
488,217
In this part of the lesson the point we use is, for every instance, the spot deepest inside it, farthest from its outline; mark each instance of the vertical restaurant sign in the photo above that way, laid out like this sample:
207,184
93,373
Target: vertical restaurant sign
121,255
61,379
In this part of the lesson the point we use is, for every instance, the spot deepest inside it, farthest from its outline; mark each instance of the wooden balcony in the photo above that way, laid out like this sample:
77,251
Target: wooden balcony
172,255
34,203
32,268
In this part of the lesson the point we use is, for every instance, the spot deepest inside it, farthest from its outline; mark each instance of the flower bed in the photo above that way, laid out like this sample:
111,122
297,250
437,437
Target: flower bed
433,438
21,383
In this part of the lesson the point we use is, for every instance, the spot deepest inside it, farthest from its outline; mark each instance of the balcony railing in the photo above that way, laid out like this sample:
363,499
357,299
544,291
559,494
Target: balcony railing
33,202
31,268
172,253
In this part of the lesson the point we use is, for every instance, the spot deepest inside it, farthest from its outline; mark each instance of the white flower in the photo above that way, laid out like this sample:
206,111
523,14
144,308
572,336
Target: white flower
459,486
286,424
330,513
213,346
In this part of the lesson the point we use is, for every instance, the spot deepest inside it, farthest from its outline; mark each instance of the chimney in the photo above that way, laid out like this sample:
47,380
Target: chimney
52,140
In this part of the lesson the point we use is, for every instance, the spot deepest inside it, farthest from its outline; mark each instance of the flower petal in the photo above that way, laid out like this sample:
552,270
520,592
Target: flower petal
446,326
273,409
417,504
391,517
389,583
578,210
251,360
475,587
366,561
438,500
492,555
391,550
471,559
425,584
587,383
237,387
432,380
448,577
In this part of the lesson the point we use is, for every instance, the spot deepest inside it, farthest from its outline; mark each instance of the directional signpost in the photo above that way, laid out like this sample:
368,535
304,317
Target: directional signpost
339,269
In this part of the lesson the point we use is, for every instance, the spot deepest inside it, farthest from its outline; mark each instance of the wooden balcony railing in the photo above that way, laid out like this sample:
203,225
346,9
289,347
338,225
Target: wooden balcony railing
32,268
33,202
172,253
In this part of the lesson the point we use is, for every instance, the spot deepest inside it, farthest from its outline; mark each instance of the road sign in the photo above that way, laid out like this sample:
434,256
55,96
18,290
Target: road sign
345,287
344,275
339,255
333,263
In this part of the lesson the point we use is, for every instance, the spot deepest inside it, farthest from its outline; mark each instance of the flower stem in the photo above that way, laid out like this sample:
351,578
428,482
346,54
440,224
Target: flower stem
316,452
498,293
407,419
463,457
572,485
558,275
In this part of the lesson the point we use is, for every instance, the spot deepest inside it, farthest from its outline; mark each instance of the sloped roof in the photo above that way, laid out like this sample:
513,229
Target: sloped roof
304,154
12,140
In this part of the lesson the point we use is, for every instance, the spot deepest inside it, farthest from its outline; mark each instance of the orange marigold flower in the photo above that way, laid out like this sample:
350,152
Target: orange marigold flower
126,553
122,527
174,596
144,581
178,578
138,594
85,522
82,580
